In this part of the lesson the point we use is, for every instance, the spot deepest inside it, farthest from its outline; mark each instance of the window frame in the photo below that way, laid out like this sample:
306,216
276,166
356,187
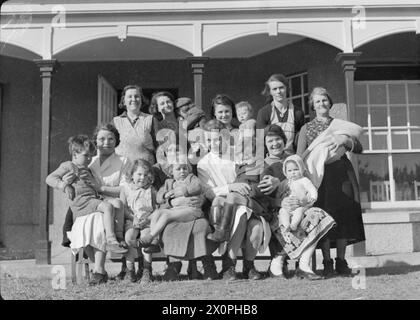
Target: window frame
389,128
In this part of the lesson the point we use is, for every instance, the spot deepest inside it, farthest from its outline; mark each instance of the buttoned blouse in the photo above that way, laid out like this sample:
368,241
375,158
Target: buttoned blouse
112,172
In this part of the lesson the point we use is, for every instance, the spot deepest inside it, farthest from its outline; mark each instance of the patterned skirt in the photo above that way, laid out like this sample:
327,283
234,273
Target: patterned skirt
314,225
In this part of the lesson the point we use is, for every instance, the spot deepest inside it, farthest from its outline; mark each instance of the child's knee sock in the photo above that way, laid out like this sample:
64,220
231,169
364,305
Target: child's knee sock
130,265
147,265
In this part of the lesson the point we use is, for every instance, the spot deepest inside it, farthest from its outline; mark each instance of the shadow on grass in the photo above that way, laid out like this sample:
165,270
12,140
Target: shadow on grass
392,268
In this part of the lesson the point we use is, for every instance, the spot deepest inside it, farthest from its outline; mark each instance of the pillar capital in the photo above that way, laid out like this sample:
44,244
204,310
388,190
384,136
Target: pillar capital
347,60
197,64
47,67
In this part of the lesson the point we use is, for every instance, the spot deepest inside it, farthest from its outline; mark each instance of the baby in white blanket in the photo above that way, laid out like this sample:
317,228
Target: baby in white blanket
318,154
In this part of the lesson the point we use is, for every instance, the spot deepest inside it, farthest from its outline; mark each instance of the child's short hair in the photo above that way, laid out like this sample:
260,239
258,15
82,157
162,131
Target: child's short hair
80,143
214,124
244,104
141,163
180,158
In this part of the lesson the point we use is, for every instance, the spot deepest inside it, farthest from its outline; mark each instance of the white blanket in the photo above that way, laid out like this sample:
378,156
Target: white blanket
318,154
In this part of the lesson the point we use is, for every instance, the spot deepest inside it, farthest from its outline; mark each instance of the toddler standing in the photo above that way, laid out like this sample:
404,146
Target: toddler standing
139,198
83,190
299,187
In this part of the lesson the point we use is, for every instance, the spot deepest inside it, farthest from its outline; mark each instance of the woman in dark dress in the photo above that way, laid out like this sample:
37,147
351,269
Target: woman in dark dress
338,193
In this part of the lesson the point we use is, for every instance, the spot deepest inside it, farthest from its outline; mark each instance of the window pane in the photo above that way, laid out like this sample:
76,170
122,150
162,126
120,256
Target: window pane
415,139
297,103
361,116
414,115
399,139
397,94
406,176
360,93
296,86
377,94
305,83
378,116
379,140
306,105
413,93
398,116
374,178
364,140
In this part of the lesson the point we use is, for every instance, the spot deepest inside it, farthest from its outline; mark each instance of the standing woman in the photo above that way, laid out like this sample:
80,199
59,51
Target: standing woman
162,108
135,127
338,193
280,111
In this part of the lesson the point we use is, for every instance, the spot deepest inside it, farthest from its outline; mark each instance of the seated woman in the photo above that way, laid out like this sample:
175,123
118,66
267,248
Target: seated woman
110,170
184,240
217,174
297,244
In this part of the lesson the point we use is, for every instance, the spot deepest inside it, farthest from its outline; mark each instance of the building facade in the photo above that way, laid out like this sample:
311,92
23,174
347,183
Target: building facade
63,66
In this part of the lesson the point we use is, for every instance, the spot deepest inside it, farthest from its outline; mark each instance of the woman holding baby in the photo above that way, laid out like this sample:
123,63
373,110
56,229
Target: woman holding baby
338,193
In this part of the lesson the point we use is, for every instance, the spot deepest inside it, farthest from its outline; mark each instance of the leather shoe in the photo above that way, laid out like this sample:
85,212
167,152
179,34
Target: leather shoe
307,275
252,274
230,274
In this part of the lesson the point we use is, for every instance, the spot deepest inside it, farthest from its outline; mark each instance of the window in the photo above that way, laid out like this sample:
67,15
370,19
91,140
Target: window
298,85
389,112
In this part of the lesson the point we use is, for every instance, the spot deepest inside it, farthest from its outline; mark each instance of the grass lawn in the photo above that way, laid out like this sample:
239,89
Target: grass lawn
389,283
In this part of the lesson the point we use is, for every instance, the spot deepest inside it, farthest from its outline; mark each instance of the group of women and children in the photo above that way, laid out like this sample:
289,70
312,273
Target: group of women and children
161,178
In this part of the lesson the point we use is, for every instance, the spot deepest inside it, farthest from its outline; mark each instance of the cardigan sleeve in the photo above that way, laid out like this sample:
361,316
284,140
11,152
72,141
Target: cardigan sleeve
54,179
263,117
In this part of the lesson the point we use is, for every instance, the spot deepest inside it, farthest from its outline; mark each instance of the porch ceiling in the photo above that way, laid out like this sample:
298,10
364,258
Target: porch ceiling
252,45
112,49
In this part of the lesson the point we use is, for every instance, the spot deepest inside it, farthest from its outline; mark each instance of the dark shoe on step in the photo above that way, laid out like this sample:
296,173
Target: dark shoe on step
132,275
341,267
210,270
122,274
307,275
230,274
328,271
171,273
252,274
98,278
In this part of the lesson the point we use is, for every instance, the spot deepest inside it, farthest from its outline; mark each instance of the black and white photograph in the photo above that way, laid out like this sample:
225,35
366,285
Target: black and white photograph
210,156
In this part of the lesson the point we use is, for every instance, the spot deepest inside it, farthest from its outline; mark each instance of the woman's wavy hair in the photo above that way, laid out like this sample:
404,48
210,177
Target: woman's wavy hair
106,127
319,91
274,77
144,102
153,109
224,100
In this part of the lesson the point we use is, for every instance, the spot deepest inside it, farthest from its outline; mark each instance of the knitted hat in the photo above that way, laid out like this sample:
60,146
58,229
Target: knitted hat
194,117
183,101
275,130
297,160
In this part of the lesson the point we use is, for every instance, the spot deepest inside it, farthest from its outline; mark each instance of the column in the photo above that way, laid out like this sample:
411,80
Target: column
347,62
43,246
197,66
